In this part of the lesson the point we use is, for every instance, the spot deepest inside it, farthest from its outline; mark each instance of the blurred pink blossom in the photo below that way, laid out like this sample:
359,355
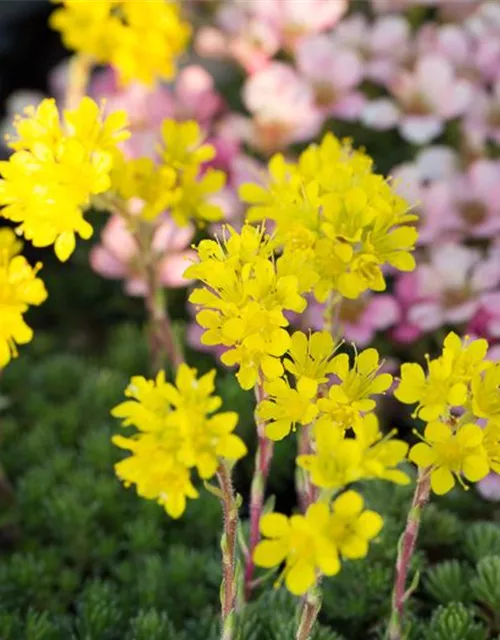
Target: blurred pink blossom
383,45
424,183
116,257
333,73
193,97
482,119
253,31
447,289
283,108
360,319
489,487
424,99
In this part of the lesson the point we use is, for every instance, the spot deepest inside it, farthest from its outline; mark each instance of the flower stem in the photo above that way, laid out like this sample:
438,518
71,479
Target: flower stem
80,67
163,341
263,459
228,547
310,609
406,548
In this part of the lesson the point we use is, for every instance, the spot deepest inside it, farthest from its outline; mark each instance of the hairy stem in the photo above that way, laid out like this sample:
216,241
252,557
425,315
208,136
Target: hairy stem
80,67
228,547
406,549
163,341
310,608
263,459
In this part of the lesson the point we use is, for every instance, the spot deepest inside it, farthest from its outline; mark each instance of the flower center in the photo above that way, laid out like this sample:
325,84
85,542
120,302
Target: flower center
473,212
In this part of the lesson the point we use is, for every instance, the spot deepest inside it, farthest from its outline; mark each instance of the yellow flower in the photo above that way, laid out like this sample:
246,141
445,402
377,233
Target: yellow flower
309,358
451,453
183,147
19,288
311,545
284,407
350,527
345,218
486,393
448,381
55,170
242,302
336,461
192,197
434,393
491,444
301,543
352,396
380,455
176,433
140,38
145,183
155,473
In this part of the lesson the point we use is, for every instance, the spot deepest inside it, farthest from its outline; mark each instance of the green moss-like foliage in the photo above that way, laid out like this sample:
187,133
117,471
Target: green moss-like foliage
82,558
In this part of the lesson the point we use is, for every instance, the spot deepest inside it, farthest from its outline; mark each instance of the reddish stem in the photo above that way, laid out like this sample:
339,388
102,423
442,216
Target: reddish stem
263,457
406,549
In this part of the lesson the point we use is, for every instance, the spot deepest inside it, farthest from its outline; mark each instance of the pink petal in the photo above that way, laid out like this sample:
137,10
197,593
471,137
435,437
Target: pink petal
106,264
171,269
170,238
427,316
380,114
489,487
382,311
420,129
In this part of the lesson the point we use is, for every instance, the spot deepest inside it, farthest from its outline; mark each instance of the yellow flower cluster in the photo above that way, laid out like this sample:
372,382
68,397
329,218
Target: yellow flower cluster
19,288
454,446
242,303
56,168
176,433
312,544
140,38
347,446
176,182
331,206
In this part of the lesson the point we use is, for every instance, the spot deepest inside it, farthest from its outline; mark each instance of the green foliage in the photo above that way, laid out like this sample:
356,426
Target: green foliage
455,622
448,582
86,559
482,539
486,586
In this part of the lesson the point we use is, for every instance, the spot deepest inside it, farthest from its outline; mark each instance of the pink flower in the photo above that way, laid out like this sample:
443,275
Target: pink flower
253,31
295,20
425,185
383,44
484,25
426,98
117,255
406,294
333,73
482,120
359,319
448,288
451,41
193,97
489,487
240,34
283,109
476,200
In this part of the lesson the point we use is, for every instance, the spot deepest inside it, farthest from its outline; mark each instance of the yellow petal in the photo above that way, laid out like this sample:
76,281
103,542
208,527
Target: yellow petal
369,524
274,525
300,577
348,504
470,435
422,455
65,245
269,553
438,432
475,468
278,430
442,481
